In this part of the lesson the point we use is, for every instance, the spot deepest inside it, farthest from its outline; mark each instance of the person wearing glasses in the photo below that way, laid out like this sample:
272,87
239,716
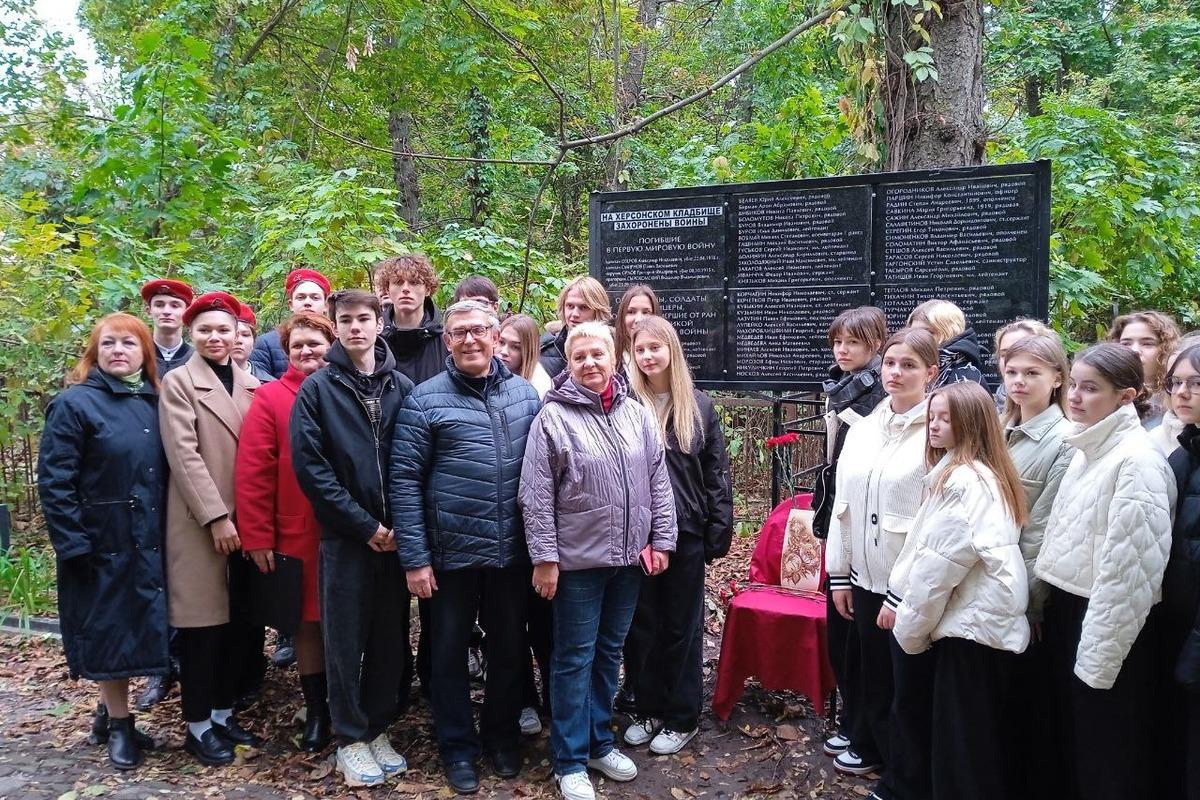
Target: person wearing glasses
456,464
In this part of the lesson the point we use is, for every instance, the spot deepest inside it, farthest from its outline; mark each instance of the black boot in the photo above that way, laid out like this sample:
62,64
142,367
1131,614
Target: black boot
316,715
123,750
100,725
157,688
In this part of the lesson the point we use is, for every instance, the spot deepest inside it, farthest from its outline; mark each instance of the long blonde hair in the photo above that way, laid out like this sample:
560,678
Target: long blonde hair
977,437
527,334
682,410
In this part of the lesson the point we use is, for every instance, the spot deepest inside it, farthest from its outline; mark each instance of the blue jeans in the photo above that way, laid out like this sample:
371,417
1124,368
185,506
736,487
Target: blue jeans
592,612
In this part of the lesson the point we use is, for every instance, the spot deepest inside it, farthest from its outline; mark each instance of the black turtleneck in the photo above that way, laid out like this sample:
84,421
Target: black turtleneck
224,373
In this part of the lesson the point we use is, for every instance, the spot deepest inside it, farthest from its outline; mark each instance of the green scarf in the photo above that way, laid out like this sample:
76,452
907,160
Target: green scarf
133,380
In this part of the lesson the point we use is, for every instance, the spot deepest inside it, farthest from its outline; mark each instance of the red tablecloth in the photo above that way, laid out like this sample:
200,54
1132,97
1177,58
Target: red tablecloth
779,639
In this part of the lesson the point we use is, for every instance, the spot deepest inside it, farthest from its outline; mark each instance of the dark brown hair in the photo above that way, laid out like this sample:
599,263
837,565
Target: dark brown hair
865,322
476,286
354,297
123,324
625,337
1121,367
305,319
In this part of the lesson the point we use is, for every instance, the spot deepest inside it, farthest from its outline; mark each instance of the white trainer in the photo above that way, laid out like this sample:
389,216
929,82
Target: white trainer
668,742
615,765
576,786
531,725
391,762
358,766
641,731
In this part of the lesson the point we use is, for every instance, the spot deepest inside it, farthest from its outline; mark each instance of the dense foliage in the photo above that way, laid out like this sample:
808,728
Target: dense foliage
237,138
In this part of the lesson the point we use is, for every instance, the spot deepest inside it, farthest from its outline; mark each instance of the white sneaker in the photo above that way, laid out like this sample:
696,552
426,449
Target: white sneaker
615,765
358,766
642,731
391,762
531,725
836,745
668,741
576,786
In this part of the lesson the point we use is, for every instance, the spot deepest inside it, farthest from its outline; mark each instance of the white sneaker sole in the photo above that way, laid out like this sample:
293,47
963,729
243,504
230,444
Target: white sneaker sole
675,749
608,772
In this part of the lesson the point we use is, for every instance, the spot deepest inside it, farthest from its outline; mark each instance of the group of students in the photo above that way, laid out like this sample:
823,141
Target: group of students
563,493
1014,597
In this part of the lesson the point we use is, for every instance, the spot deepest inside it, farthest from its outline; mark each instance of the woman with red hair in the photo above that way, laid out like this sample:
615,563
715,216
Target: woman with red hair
102,481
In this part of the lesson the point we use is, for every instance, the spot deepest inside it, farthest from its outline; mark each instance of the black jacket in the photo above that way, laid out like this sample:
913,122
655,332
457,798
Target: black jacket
960,359
859,392
1180,605
456,465
340,457
420,352
553,353
701,482
181,357
102,479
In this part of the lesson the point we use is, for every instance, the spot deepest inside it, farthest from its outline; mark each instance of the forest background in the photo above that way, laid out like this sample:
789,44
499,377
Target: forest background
235,139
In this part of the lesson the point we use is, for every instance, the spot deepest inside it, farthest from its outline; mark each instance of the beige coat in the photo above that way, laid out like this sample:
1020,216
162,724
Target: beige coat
200,423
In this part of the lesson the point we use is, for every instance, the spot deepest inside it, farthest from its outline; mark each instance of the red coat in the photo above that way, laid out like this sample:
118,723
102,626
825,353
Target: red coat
272,512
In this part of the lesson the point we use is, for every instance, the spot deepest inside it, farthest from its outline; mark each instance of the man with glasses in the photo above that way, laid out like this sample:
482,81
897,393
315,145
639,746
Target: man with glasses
455,467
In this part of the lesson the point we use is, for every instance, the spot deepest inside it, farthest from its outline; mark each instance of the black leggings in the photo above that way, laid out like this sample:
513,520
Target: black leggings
205,678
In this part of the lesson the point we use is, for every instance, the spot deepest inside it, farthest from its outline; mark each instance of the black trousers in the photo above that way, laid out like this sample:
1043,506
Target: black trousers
205,680
1041,776
498,598
670,683
973,751
364,622
870,731
843,656
539,639
1105,735
246,639
908,774
1193,757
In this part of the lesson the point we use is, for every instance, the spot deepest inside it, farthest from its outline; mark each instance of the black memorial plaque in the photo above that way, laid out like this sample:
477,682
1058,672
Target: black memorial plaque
752,274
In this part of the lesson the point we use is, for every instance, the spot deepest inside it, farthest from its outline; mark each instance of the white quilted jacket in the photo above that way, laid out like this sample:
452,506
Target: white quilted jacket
1108,538
878,493
961,574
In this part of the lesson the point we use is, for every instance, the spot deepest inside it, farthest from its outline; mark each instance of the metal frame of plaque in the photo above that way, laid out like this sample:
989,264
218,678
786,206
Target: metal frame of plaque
752,274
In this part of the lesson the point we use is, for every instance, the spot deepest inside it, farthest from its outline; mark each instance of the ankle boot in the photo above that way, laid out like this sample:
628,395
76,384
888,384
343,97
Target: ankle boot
123,749
316,722
99,734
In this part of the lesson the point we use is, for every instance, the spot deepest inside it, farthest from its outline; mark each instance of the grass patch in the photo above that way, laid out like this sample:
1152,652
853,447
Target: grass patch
27,584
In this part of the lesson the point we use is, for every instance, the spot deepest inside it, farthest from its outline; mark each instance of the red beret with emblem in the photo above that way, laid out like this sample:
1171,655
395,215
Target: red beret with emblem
299,276
177,289
213,301
247,316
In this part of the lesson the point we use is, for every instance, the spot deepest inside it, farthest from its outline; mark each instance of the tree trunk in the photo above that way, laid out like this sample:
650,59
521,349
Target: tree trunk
404,169
1033,96
479,110
627,93
936,123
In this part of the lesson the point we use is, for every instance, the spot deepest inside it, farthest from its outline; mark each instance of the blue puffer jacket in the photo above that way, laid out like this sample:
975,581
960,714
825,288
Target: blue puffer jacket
456,465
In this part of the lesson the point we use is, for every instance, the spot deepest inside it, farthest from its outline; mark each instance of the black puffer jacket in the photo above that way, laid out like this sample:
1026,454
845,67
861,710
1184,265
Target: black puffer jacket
1180,607
420,352
960,359
702,484
553,353
456,465
339,454
102,479
858,392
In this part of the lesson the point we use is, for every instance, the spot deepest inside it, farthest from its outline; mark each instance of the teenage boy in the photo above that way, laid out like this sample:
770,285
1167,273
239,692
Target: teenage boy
166,300
456,463
479,289
307,290
341,432
414,332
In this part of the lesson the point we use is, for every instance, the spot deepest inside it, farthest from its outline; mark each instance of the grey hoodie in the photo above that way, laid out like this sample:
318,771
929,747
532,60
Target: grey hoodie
594,486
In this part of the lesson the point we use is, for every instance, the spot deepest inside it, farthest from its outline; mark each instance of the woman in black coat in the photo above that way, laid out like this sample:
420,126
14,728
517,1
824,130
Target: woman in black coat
102,481
668,626
1177,617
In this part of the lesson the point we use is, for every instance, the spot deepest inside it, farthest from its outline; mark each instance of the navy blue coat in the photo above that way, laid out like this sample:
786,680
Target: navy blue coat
102,478
456,465
268,355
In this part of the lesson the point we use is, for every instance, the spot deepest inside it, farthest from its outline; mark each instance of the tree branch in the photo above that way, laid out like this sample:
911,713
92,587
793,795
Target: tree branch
272,23
537,201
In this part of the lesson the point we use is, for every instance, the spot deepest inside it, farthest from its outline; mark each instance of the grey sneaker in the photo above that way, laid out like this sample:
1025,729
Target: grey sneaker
531,725
358,766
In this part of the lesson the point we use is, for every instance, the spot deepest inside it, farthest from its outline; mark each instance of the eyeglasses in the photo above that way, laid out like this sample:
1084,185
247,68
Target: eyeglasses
460,334
1192,384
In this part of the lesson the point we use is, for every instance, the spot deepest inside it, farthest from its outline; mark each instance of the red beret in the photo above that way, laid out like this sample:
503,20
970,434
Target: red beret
213,301
298,276
177,289
247,316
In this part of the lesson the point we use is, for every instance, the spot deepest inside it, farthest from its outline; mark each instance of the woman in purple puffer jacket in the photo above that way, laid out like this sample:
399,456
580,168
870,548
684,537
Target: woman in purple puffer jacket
594,493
